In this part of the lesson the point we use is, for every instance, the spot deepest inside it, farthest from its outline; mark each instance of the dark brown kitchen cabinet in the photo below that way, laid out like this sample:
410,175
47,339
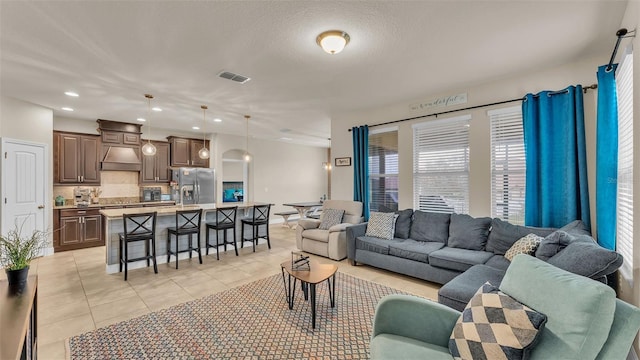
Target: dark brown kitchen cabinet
77,229
76,158
184,152
155,169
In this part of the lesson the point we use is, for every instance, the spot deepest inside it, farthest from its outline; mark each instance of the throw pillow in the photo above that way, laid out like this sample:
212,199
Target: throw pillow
430,226
381,225
552,244
526,245
587,259
330,217
494,325
466,232
576,227
403,223
503,234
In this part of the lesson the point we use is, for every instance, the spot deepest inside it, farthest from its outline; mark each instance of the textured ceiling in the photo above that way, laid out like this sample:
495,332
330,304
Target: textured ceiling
113,52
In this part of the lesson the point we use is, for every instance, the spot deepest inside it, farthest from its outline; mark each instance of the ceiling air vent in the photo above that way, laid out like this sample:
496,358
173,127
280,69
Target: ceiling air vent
234,77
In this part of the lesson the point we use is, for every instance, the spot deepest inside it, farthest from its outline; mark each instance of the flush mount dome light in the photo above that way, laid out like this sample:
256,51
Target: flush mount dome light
333,41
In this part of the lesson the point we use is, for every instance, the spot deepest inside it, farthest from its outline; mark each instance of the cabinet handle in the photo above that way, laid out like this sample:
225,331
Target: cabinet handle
78,178
82,178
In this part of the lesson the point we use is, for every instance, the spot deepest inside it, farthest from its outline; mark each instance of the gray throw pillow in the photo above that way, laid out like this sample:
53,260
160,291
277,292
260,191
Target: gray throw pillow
330,217
552,244
504,234
403,223
466,232
429,226
587,259
576,227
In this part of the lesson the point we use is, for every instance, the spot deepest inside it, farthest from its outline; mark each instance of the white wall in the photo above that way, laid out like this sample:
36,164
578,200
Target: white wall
34,123
232,170
557,78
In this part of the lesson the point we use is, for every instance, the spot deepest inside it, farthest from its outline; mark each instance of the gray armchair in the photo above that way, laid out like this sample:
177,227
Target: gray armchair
330,243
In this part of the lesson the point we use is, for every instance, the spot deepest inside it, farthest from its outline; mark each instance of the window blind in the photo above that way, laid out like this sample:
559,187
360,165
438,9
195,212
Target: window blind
441,165
383,170
508,176
624,214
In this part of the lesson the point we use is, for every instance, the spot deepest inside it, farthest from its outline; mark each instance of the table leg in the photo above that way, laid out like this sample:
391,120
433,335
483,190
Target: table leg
332,290
305,290
313,305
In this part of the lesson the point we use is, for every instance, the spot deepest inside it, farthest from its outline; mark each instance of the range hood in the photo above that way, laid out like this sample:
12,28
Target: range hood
120,146
121,158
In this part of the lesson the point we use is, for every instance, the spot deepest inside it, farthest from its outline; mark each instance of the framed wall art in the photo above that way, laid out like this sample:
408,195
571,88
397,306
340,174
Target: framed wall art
343,161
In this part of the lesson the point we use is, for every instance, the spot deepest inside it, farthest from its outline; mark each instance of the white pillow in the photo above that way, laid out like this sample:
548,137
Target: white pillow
381,225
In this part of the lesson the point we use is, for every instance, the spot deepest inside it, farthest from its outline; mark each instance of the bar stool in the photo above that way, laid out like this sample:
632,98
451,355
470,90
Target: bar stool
187,223
259,217
138,227
225,220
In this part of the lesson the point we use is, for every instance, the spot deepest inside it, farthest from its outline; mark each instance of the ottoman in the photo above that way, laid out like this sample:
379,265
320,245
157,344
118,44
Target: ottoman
457,292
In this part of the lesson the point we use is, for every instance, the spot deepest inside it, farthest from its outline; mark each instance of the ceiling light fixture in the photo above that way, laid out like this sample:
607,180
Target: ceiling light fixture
333,41
149,149
141,119
247,157
156,109
71,93
217,120
204,152
195,127
67,109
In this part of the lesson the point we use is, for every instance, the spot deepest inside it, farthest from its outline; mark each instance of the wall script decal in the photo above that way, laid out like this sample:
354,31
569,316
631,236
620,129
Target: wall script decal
440,102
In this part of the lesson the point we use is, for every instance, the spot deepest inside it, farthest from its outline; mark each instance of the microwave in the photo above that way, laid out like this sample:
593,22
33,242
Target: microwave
150,194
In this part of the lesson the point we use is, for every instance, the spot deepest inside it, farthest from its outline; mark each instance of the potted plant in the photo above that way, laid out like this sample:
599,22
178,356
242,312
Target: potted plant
17,251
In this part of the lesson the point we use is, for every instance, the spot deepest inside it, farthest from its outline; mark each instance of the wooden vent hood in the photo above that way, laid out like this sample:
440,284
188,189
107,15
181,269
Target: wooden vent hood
120,146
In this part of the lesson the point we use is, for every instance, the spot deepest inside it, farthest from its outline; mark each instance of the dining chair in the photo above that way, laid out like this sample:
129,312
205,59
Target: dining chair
138,227
258,217
187,223
225,219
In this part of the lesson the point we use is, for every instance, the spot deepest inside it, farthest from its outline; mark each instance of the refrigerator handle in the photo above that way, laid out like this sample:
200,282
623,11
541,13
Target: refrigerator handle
198,186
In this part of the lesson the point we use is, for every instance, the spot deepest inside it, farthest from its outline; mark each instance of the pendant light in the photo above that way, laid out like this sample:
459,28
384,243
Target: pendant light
204,152
247,157
149,149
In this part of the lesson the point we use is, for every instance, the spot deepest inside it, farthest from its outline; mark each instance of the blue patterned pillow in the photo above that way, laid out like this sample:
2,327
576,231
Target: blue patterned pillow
330,217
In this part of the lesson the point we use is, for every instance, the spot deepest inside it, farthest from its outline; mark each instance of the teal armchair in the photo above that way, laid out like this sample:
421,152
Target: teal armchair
585,320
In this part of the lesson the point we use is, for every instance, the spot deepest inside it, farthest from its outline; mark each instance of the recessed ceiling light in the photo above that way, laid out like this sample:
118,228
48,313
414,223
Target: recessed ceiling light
156,109
67,109
195,128
141,119
286,138
71,93
217,120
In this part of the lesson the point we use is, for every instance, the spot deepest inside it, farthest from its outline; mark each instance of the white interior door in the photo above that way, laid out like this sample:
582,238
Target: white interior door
23,186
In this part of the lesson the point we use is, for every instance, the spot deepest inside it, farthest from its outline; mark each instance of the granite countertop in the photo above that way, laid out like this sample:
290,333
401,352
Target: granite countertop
103,205
168,210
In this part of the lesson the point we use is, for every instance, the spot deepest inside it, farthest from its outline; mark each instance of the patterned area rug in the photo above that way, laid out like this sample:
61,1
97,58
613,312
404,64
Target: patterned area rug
252,321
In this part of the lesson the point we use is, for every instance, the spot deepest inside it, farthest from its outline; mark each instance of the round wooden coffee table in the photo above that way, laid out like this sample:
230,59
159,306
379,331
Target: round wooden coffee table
316,274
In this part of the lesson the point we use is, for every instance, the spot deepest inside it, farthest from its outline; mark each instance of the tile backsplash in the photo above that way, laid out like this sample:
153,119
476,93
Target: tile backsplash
113,184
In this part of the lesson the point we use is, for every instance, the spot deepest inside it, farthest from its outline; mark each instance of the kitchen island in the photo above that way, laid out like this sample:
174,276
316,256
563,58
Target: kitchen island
113,226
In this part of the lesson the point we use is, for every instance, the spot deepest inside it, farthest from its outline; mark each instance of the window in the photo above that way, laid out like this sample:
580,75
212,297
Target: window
441,165
624,222
507,165
383,170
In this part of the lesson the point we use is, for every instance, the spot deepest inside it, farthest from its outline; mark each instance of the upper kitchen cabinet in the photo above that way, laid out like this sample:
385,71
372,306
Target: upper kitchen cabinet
184,152
120,146
76,158
155,169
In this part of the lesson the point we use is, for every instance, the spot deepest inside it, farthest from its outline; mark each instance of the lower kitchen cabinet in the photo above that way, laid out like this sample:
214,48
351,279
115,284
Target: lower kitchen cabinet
77,229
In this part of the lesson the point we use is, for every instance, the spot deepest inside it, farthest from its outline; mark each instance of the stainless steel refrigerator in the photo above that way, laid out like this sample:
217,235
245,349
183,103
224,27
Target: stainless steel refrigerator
195,185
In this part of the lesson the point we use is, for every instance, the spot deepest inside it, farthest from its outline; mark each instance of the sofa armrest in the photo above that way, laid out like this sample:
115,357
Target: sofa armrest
353,232
416,318
309,223
339,227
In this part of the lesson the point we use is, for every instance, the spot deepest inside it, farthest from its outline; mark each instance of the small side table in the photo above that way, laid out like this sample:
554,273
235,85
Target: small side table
309,279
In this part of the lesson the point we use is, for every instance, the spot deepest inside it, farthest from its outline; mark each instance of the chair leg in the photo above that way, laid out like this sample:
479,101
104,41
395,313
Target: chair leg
146,250
217,245
190,246
207,242
255,237
126,260
242,236
153,251
268,241
168,247
198,245
120,252
176,254
235,245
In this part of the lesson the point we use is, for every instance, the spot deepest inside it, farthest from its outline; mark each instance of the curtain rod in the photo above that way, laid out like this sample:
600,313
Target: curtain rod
584,89
620,34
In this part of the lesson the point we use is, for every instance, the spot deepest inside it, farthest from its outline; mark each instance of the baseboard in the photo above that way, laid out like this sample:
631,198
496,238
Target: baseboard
632,354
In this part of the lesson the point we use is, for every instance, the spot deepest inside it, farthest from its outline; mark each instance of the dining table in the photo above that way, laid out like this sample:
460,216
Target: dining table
303,207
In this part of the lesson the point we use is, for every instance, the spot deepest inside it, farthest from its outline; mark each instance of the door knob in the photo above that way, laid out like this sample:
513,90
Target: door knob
40,206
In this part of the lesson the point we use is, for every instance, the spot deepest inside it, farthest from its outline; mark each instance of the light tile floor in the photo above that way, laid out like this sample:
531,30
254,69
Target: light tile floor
76,295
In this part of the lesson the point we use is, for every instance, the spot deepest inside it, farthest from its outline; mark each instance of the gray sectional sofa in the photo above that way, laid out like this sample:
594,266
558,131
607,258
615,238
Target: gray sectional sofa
463,252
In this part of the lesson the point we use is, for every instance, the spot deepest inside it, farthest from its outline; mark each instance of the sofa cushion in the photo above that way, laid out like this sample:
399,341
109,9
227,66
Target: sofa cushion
495,326
576,227
381,225
457,292
526,245
390,346
330,217
414,250
552,244
429,226
317,234
587,259
403,223
580,311
374,244
498,262
466,232
503,235
458,259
